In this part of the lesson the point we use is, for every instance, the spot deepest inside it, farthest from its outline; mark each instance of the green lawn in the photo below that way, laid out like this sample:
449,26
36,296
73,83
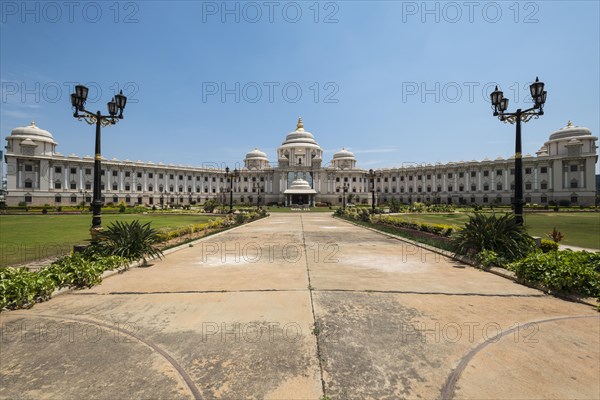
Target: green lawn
24,238
580,229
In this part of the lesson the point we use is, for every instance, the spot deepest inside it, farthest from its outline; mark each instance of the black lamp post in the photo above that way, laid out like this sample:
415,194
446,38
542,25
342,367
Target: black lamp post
372,177
162,199
234,174
257,188
115,113
500,104
344,188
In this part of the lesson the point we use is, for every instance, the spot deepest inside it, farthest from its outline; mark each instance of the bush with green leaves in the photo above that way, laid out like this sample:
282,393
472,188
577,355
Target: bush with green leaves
489,258
130,240
547,245
568,272
21,288
74,271
500,234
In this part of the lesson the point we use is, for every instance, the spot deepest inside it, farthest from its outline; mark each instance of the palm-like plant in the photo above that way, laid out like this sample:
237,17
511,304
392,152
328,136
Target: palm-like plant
132,240
499,234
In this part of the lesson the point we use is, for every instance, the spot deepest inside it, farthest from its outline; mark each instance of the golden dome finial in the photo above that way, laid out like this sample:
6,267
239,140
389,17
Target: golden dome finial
300,124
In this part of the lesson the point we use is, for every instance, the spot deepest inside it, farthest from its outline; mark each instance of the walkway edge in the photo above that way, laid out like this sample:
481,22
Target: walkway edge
494,270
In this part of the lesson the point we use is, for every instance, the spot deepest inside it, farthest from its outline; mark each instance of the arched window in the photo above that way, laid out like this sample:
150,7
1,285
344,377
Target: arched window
57,184
574,184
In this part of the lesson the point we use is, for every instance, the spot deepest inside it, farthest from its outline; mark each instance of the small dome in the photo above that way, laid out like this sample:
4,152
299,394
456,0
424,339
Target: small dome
300,184
343,153
32,132
256,154
570,131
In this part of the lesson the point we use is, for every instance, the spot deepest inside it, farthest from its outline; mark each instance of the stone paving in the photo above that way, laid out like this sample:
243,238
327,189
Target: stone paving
302,306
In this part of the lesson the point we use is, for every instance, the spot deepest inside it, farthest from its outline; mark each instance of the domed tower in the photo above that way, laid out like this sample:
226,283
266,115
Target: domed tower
344,159
256,160
300,149
30,141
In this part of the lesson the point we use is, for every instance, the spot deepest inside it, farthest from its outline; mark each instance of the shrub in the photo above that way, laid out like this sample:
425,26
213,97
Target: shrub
570,272
73,271
21,288
499,234
555,235
489,258
132,240
210,205
548,245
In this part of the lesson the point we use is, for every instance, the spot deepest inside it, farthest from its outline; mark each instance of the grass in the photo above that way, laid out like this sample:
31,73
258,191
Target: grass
580,229
24,238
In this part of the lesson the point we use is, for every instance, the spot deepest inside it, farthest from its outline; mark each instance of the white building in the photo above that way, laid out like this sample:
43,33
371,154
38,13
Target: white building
562,170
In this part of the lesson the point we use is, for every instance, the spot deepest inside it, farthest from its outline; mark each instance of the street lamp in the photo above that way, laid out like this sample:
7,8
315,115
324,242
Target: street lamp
372,177
344,188
116,105
83,196
162,199
257,189
500,104
234,174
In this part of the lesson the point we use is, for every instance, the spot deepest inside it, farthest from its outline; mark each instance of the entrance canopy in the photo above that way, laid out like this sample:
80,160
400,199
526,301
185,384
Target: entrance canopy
300,192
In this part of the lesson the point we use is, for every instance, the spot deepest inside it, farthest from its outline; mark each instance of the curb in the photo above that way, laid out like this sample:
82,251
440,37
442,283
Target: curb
137,264
493,270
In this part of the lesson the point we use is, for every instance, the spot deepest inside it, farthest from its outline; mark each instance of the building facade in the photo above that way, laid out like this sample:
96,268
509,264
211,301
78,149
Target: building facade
563,169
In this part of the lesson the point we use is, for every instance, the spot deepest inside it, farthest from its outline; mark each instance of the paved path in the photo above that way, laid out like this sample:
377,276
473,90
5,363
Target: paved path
233,317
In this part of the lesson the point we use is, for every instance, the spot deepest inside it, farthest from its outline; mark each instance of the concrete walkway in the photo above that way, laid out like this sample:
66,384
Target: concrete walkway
233,317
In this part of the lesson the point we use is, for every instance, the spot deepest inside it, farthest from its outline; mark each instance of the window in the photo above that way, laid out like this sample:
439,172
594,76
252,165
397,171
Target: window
461,174
28,183
486,173
573,168
115,199
171,176
498,172
419,177
401,179
473,188
73,186
88,171
27,199
428,176
384,179
57,185
214,179
102,172
439,188
544,170
58,170
190,178
528,186
180,177
574,184
473,174
419,189
544,186
139,188
410,178
88,186
449,175
150,175
160,176
353,179
450,188
28,168
428,189
139,174
512,171
74,171
486,187
461,188
115,173
57,199
151,188
574,199
439,176
115,187
485,199
544,199
127,187
206,179
127,174
378,180
528,170
499,186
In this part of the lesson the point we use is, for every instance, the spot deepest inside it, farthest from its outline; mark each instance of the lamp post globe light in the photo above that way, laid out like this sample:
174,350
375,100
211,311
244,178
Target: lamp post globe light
500,105
344,188
115,113
372,178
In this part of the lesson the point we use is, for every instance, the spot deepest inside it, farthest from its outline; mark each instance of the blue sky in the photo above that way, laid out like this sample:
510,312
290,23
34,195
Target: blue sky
395,82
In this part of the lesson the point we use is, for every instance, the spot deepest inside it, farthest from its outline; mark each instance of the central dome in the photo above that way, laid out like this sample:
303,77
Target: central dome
300,137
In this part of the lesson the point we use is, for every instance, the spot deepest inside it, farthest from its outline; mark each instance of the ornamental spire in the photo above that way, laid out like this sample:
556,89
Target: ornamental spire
300,126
